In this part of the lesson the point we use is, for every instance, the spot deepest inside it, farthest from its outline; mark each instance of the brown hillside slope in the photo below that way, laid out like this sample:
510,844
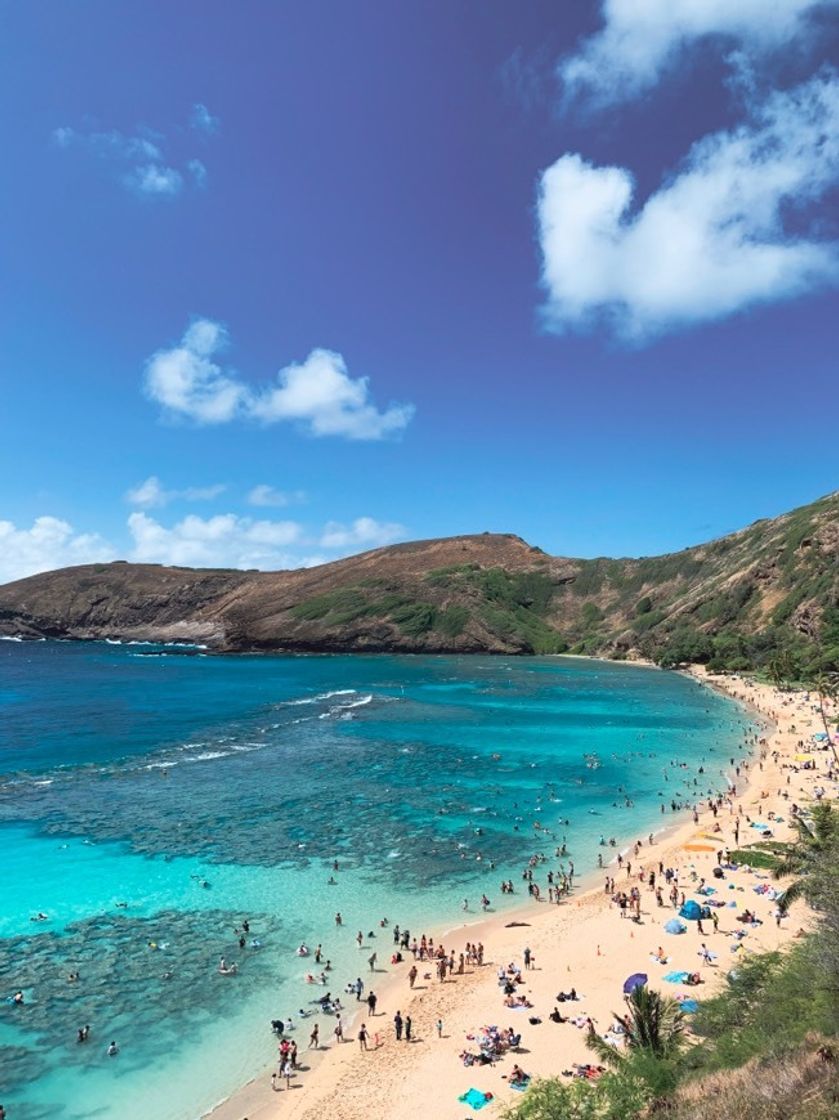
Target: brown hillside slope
777,579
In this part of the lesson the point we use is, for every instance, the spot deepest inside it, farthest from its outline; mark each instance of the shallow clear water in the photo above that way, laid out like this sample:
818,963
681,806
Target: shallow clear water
131,775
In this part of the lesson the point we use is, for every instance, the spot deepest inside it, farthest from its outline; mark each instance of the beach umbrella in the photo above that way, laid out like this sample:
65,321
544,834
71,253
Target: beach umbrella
675,926
691,910
636,980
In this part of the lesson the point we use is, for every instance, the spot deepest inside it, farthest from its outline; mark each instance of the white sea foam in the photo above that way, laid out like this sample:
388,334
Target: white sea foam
341,709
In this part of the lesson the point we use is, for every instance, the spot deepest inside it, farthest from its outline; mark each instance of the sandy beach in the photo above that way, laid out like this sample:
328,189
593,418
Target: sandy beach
584,943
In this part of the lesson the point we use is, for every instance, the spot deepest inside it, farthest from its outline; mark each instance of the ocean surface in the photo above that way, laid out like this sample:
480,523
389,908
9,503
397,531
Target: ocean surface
151,798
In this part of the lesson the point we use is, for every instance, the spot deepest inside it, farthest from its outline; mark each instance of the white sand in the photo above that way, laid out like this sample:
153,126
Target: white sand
582,943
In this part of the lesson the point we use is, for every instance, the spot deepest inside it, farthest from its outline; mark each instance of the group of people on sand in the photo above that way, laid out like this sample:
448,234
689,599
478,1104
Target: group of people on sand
645,882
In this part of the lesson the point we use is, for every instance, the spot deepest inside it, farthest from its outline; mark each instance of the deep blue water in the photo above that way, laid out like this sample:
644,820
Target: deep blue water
129,779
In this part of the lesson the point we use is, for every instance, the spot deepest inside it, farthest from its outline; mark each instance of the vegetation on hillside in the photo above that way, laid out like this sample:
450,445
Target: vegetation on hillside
765,598
509,605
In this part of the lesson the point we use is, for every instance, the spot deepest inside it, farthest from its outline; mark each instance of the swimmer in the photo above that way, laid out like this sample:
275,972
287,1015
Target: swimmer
113,1050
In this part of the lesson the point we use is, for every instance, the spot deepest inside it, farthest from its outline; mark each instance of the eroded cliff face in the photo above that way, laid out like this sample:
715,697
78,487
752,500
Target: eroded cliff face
486,593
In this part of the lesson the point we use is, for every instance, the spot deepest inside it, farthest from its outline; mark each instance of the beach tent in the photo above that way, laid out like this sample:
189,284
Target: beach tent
691,910
675,926
636,980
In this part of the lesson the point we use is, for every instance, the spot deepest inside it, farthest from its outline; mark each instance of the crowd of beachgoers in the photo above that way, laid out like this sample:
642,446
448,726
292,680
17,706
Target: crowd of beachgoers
465,1019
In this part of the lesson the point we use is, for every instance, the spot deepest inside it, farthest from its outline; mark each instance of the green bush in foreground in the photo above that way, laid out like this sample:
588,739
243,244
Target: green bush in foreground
612,1097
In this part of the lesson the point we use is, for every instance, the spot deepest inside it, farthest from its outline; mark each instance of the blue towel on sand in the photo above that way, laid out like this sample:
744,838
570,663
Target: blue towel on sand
677,977
474,1098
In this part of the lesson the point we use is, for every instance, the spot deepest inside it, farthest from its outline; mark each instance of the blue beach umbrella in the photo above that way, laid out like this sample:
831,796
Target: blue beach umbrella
691,910
675,926
636,980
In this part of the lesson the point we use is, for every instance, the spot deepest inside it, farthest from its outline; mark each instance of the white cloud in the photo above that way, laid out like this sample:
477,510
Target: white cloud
151,493
50,543
714,239
149,173
198,172
364,532
321,394
113,144
264,495
317,393
203,120
186,381
224,541
155,179
641,39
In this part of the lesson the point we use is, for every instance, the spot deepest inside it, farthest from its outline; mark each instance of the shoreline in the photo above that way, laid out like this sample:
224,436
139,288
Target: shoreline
338,1074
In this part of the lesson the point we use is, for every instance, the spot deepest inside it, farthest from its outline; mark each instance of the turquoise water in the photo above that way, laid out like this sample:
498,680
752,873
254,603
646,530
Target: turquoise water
131,775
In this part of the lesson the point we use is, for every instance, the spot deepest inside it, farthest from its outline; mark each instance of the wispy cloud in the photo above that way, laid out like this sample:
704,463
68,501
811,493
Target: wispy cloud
151,493
364,532
202,120
49,543
154,179
198,172
225,541
727,231
641,40
264,495
319,394
143,167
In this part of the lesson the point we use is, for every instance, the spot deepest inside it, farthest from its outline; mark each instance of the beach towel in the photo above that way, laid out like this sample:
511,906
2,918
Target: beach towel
475,1099
689,1006
520,1085
677,977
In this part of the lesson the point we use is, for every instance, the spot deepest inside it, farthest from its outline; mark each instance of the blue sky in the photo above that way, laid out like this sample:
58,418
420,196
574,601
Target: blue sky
279,282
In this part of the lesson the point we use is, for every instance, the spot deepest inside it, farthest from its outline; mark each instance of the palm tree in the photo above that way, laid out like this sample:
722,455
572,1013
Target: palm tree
655,1025
801,857
782,669
826,686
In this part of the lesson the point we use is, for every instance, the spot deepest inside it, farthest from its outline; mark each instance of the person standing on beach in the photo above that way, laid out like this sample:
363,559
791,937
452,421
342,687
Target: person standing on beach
339,1030
314,1038
408,1025
397,1025
371,960
371,1002
527,958
362,1037
412,975
439,1028
359,988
